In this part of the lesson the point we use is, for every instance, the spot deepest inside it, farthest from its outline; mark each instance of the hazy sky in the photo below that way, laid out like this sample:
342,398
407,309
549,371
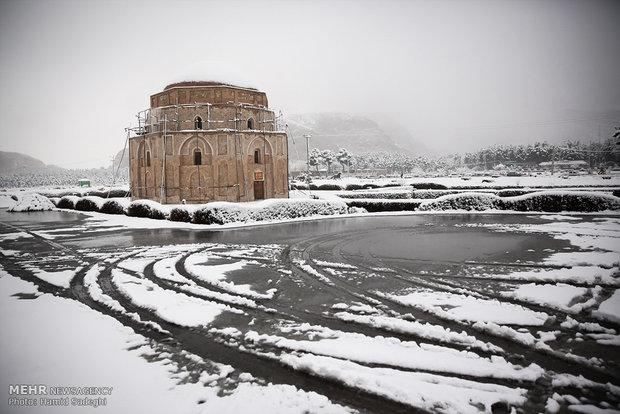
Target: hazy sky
457,74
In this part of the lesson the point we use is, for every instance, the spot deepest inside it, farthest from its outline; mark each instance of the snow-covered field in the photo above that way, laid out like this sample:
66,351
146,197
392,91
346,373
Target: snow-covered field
318,325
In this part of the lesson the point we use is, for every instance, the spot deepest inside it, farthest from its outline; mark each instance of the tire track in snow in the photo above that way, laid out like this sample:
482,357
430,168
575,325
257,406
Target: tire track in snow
519,352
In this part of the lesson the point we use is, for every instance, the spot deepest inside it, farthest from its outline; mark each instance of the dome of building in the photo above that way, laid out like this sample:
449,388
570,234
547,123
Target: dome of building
211,73
203,83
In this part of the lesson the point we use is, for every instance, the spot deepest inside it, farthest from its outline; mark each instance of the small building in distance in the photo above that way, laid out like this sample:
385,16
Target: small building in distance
564,165
203,141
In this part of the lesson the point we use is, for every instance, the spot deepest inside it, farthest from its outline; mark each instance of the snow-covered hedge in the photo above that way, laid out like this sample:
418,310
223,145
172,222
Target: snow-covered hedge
431,194
299,186
89,203
115,192
222,213
326,187
547,201
68,202
117,206
376,205
181,214
148,209
32,202
514,192
463,201
390,196
552,201
429,186
368,186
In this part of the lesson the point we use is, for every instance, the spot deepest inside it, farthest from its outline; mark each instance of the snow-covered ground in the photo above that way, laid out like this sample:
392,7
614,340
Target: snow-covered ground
240,327
210,327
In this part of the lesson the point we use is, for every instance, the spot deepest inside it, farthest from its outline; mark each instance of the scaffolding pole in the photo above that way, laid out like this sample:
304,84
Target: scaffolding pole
162,190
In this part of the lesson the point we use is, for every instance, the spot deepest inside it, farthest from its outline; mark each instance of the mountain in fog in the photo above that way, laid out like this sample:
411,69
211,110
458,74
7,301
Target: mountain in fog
333,131
15,162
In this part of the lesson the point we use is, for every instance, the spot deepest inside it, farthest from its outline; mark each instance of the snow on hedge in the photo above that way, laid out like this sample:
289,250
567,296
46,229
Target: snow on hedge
463,201
556,201
90,203
267,210
211,213
115,206
68,201
552,201
285,209
149,209
377,204
32,202
391,195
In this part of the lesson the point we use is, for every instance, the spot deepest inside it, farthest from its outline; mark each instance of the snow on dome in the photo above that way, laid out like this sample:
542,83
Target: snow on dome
212,71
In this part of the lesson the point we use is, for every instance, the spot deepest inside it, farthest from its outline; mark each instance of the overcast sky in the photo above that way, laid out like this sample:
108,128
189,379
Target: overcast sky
457,74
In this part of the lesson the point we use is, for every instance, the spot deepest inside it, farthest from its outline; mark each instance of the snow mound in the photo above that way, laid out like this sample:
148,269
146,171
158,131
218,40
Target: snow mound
6,200
610,308
32,202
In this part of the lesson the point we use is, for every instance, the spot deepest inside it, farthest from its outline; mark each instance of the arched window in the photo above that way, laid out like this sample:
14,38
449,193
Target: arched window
250,123
148,158
257,156
197,157
198,123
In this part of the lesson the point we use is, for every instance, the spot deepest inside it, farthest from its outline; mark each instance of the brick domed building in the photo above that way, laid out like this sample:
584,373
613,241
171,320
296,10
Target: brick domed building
208,141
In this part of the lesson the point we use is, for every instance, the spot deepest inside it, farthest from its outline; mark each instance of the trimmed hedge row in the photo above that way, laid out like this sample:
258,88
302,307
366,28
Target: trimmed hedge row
463,201
393,196
68,202
84,204
112,207
338,187
276,210
562,202
140,208
429,186
541,201
113,193
213,213
374,206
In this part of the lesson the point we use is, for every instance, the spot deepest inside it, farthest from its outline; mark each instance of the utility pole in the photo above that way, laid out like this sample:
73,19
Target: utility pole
552,160
113,172
308,136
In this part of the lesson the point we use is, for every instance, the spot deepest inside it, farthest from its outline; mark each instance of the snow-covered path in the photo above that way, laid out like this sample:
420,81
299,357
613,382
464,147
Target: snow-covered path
431,313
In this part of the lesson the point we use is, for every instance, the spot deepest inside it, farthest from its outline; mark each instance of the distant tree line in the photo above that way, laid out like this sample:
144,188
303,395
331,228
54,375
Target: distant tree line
62,177
594,153
393,163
